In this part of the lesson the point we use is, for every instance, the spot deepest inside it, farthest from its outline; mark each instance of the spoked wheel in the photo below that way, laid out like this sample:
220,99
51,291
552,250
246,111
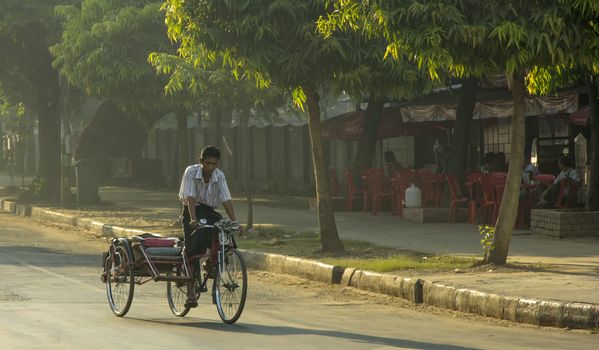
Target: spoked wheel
120,281
231,286
176,292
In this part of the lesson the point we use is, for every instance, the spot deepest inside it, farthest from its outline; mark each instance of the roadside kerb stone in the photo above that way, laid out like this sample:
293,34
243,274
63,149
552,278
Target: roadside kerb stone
9,206
411,289
292,265
45,214
255,259
594,319
274,263
478,302
510,308
309,269
494,306
577,315
550,313
528,311
23,210
391,285
370,281
438,295
347,276
462,300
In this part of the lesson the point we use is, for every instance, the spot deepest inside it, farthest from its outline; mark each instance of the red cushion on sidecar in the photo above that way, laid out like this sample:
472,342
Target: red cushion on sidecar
159,242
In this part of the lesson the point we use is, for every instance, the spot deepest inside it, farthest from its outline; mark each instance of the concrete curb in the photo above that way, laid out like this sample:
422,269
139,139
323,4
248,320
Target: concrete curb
308,269
553,313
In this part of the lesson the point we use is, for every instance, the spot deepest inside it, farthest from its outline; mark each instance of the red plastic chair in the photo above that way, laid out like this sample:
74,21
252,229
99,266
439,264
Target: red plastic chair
492,185
474,189
366,193
572,195
410,176
376,189
546,179
456,198
399,185
351,190
431,189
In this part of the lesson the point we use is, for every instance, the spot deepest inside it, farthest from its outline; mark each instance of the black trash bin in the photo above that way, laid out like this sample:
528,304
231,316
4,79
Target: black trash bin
88,179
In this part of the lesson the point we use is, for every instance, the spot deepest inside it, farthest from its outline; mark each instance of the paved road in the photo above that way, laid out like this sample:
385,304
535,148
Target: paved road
51,298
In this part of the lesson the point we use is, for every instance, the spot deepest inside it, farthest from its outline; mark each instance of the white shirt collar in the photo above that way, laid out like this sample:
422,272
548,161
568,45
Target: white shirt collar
213,178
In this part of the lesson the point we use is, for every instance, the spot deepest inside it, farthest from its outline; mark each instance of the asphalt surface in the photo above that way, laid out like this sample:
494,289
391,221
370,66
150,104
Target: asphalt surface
51,298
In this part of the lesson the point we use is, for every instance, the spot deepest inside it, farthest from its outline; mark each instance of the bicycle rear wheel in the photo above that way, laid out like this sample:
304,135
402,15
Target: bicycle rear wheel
176,292
231,286
120,281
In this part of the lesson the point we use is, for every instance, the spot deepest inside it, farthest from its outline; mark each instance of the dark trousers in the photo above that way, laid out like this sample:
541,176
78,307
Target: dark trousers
197,240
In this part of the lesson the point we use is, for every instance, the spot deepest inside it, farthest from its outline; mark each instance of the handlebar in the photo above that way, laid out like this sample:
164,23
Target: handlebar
223,224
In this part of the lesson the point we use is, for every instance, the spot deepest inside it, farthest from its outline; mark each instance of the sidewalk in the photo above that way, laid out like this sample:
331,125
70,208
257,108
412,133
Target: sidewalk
574,274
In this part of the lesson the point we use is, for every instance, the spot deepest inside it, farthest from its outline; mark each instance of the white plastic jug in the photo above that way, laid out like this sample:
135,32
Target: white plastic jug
413,197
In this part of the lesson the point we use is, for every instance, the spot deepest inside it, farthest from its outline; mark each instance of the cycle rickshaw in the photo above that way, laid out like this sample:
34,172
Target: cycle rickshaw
140,259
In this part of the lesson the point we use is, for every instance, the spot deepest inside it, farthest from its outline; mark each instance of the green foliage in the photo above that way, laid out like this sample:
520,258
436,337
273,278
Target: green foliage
488,237
473,37
104,51
27,29
261,40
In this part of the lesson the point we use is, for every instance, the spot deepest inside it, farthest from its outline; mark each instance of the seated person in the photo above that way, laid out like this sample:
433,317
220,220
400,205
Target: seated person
529,173
391,164
500,164
487,166
569,175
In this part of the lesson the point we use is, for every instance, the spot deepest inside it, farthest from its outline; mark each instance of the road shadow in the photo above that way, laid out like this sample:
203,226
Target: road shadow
266,330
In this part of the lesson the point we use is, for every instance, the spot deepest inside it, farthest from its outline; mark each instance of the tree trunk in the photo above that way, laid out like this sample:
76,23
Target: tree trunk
592,201
329,237
463,122
509,203
2,165
368,138
49,142
245,167
102,140
182,143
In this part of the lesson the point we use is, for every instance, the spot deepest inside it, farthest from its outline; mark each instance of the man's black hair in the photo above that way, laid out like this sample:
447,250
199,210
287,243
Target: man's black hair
210,152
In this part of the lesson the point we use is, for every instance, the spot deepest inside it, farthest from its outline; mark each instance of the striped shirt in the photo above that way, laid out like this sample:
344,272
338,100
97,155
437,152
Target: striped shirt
212,193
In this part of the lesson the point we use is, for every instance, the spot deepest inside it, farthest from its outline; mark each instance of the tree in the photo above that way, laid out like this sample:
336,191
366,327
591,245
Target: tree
474,37
27,29
103,51
217,87
271,41
379,81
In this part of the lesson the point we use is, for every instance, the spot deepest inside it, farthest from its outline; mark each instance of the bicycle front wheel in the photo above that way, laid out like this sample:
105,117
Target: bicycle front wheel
120,281
231,286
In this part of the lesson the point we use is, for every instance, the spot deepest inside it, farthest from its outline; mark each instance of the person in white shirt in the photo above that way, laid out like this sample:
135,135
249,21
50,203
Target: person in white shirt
529,173
569,176
203,189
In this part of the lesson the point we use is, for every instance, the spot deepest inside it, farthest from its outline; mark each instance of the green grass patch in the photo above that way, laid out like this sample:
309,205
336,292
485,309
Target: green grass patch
405,262
358,254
